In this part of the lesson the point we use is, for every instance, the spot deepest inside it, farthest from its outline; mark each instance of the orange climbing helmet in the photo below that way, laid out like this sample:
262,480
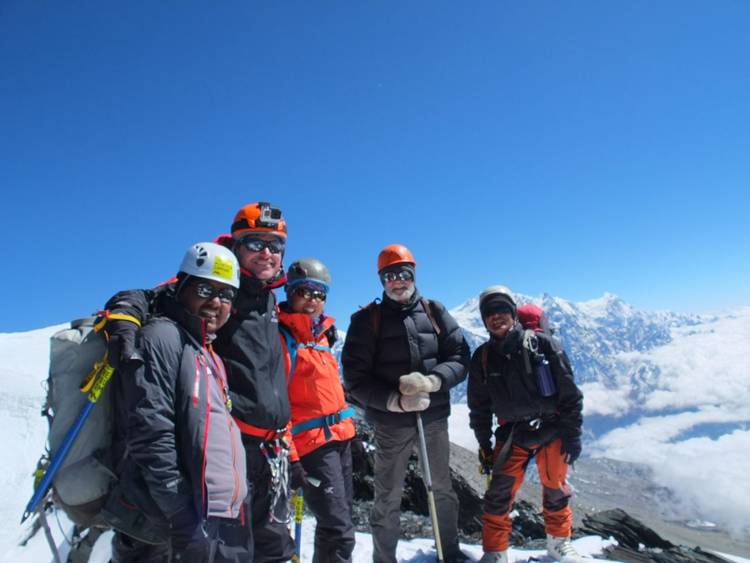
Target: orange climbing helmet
395,254
258,218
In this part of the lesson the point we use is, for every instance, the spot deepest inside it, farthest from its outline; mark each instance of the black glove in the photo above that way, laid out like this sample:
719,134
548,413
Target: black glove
570,448
486,460
298,475
186,534
360,461
121,342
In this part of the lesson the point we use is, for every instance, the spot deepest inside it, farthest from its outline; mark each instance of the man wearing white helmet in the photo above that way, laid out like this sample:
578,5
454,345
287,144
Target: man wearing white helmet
181,462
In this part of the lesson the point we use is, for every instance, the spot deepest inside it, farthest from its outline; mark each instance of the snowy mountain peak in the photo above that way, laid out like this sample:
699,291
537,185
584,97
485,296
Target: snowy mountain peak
593,332
608,305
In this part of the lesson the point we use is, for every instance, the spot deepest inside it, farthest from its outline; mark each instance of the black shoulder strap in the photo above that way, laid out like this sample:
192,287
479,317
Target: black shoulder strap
427,306
375,315
485,357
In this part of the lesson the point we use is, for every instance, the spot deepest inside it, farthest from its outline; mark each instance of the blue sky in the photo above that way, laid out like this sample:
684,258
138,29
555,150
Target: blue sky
573,148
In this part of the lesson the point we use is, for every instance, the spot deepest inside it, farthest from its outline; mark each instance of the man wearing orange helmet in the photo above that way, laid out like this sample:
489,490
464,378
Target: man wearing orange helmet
401,356
252,353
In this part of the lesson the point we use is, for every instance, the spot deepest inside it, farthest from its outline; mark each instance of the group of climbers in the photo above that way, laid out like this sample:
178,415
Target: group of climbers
231,400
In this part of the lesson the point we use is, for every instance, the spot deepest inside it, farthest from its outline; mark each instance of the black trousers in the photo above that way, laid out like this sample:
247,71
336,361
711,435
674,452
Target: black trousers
271,538
331,501
227,541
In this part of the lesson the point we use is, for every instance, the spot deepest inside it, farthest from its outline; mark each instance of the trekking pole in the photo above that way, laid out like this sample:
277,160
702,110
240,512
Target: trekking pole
94,384
299,508
428,483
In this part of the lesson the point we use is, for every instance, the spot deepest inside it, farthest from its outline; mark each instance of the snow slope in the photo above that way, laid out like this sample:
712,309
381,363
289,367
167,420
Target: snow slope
22,430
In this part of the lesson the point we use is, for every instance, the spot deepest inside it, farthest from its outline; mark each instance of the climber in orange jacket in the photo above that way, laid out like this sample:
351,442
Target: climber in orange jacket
322,422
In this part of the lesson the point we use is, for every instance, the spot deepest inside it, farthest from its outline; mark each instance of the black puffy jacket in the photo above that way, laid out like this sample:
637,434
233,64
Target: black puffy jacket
249,345
406,341
507,390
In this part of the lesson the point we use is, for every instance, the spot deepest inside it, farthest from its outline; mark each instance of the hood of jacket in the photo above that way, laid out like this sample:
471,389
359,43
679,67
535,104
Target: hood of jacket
301,325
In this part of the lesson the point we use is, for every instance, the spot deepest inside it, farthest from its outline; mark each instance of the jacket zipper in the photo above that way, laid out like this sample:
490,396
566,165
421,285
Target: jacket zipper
225,395
204,489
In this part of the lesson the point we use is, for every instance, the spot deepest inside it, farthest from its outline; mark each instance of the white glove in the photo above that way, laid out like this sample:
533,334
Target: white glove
415,382
408,403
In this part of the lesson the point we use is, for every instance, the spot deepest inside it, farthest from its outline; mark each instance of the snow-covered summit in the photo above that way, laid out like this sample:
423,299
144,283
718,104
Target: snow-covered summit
593,332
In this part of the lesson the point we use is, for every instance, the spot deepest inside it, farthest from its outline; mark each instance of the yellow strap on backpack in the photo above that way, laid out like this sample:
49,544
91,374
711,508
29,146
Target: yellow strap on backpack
103,366
107,316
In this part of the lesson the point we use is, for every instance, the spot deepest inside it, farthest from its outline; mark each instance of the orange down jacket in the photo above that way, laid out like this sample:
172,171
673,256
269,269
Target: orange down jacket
315,388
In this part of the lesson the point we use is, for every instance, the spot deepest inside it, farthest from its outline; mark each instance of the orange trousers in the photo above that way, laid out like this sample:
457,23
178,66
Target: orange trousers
507,479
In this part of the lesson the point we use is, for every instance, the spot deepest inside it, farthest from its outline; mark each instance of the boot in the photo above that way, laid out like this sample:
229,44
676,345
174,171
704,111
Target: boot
494,557
562,550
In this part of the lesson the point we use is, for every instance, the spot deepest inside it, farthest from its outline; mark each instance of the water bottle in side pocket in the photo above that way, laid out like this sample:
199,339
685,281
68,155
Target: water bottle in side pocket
544,379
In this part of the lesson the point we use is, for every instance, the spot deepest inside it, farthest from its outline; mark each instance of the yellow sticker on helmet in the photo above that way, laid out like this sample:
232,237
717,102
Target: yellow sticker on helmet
223,268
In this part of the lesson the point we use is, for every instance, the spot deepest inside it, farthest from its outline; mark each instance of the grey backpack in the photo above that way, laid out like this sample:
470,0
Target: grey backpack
81,485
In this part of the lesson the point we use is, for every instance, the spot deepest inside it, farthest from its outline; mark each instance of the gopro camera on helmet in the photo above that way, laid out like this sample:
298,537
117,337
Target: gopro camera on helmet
269,216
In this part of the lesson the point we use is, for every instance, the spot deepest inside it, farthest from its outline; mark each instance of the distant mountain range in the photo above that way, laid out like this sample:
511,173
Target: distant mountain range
593,333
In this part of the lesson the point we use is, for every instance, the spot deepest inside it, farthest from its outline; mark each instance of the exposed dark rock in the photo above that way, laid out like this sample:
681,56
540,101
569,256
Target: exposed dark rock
639,543
415,520
628,531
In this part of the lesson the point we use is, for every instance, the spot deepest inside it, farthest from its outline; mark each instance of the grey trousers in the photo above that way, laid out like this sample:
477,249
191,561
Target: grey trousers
393,448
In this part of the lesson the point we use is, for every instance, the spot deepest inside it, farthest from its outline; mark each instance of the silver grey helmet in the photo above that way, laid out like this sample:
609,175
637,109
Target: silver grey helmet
494,298
308,270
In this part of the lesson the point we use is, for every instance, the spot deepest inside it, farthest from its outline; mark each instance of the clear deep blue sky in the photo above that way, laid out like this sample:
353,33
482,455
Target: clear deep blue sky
573,148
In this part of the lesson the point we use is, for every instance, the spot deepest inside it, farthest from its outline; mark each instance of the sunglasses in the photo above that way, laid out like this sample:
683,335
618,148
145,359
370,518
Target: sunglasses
207,291
403,275
308,294
274,246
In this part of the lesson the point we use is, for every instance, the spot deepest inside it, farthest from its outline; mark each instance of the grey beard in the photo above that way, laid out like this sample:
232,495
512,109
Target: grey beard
404,297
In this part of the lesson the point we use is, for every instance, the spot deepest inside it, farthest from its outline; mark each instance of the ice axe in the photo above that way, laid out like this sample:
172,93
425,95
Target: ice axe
299,509
428,484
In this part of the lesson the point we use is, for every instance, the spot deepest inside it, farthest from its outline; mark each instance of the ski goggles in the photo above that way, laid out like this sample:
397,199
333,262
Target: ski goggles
207,291
403,275
254,244
309,293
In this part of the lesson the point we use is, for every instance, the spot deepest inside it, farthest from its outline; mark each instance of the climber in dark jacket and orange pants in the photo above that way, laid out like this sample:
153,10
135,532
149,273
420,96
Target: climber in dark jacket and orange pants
322,422
523,378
